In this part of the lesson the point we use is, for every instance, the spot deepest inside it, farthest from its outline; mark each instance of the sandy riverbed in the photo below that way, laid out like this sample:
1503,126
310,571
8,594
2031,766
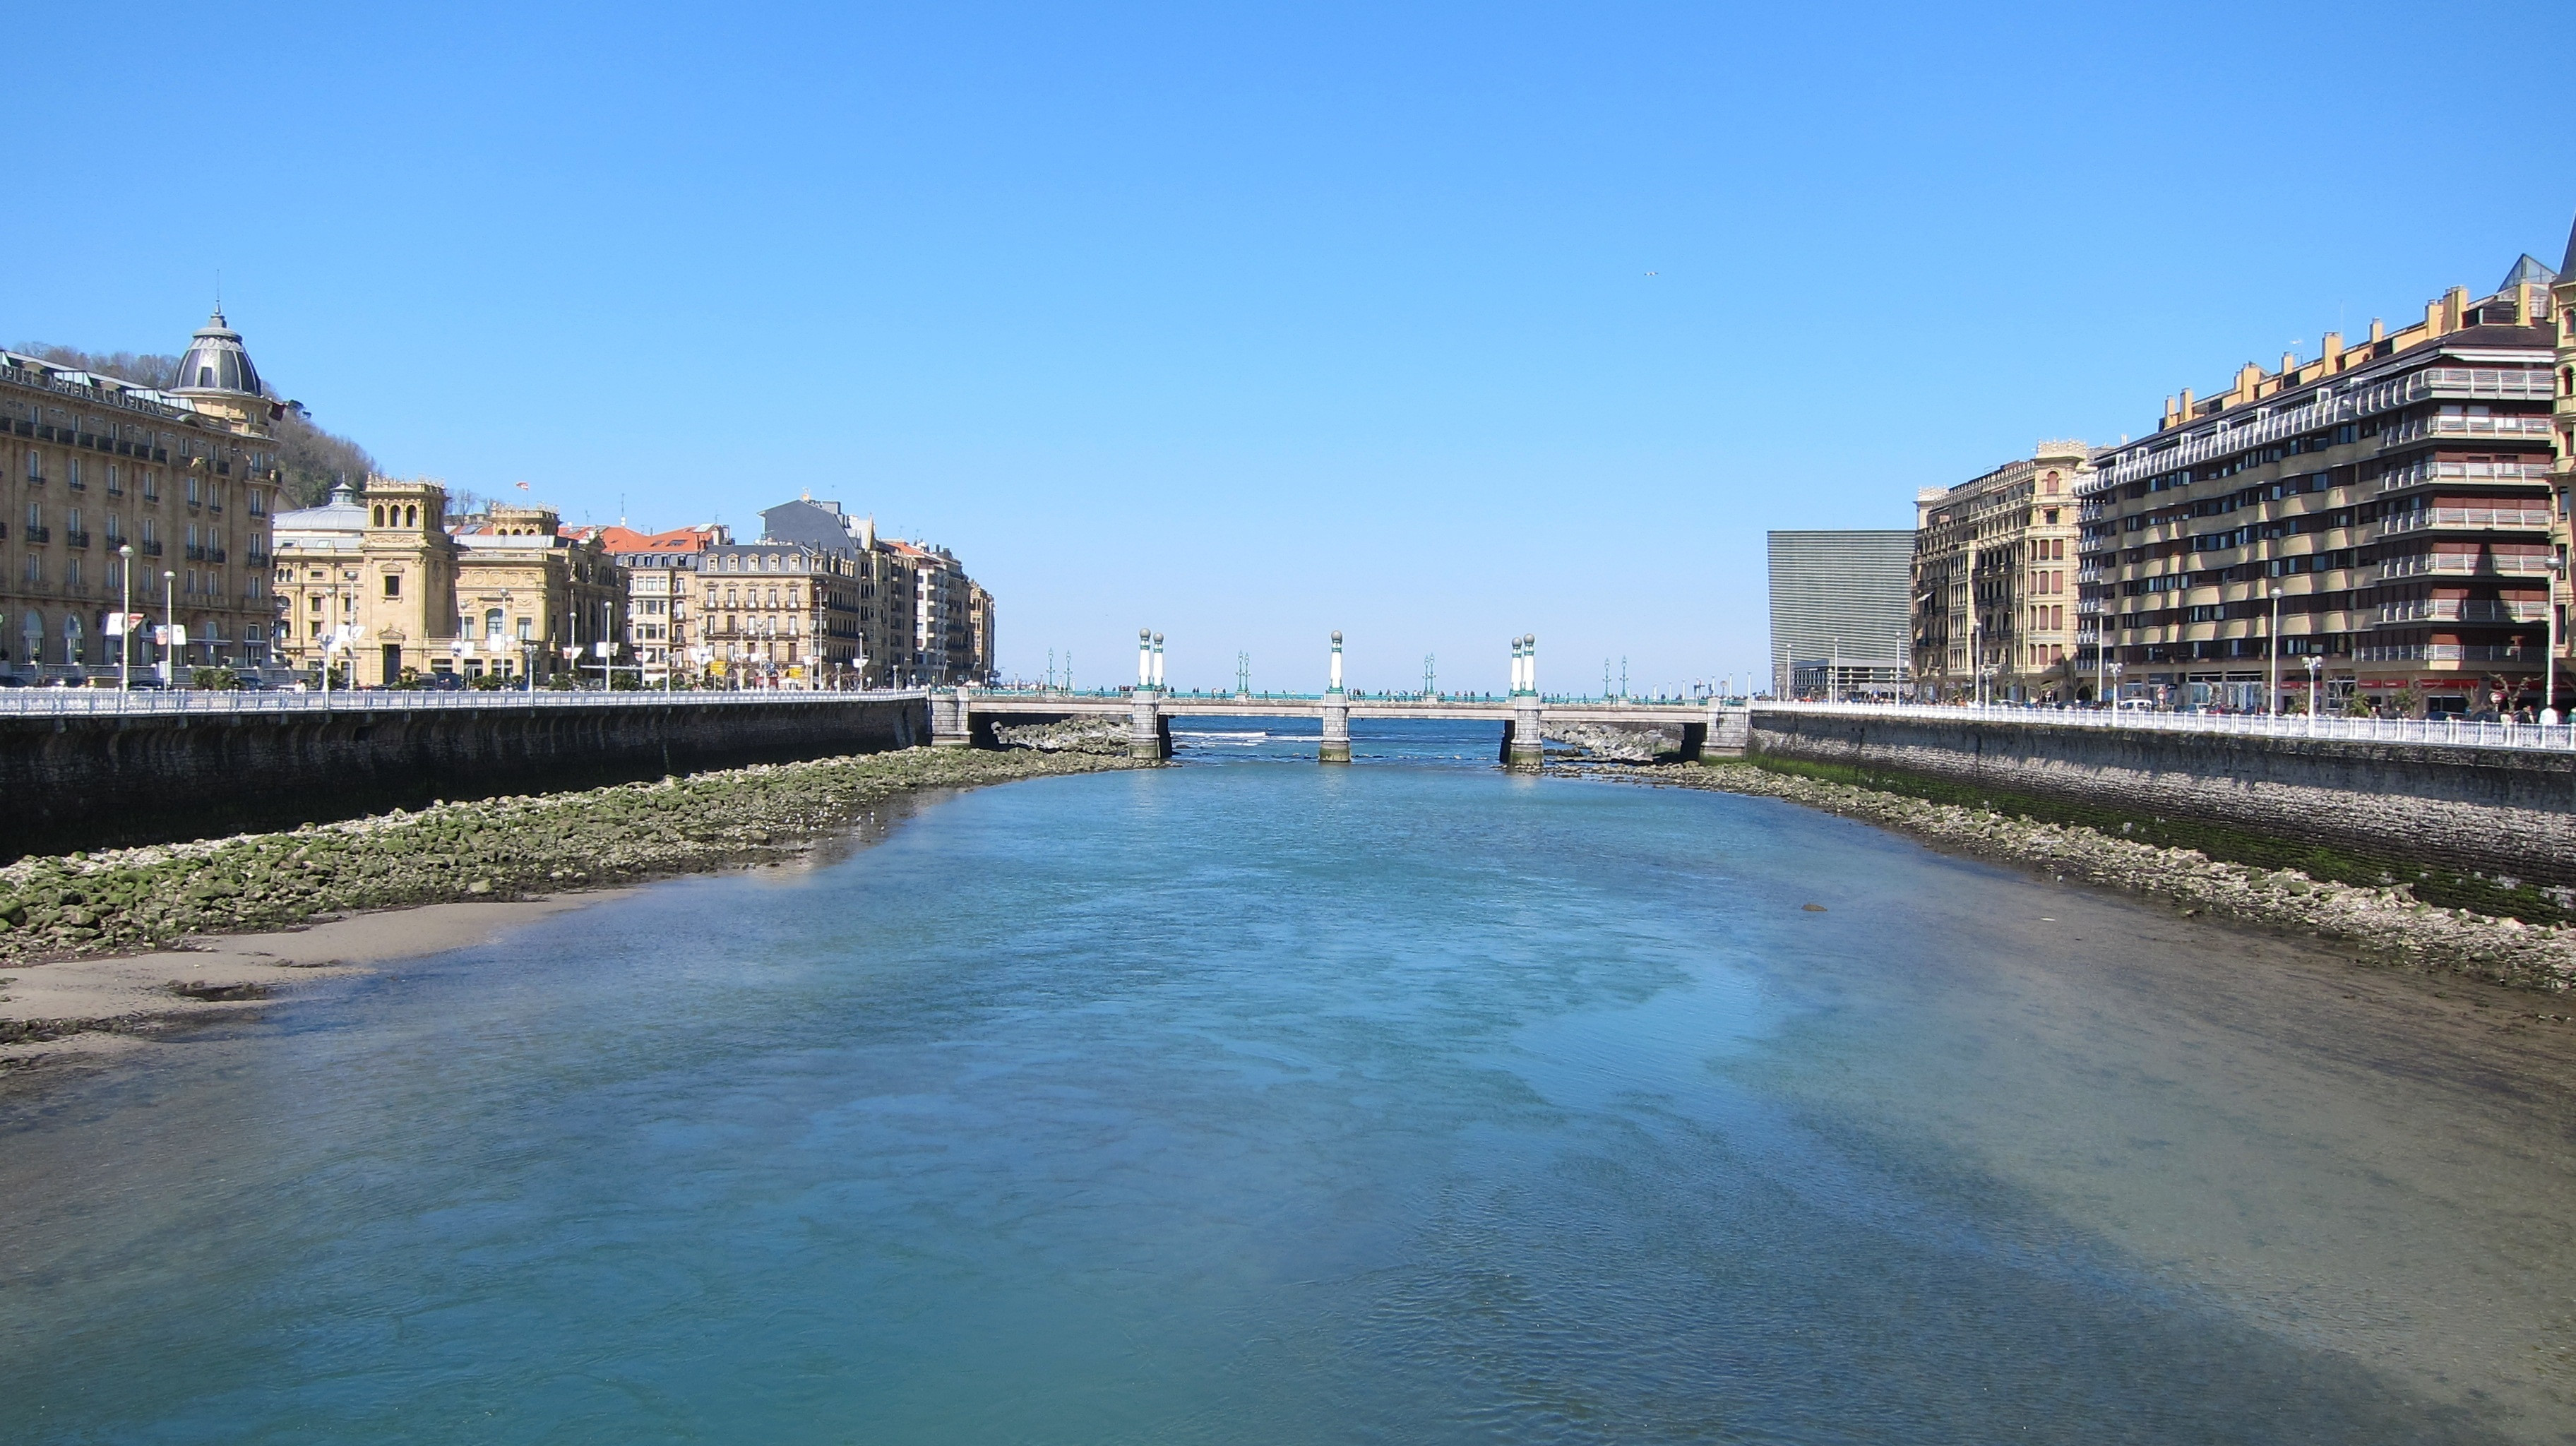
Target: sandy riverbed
91,1009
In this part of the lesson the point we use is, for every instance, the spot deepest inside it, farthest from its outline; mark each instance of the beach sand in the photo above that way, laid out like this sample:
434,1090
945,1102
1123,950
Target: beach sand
90,1010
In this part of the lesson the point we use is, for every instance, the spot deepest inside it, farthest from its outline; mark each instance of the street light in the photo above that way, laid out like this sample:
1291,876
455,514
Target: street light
125,620
2272,704
2316,664
2549,659
169,623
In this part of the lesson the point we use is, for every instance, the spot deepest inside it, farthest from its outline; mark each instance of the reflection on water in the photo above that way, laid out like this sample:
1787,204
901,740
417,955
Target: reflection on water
1405,1102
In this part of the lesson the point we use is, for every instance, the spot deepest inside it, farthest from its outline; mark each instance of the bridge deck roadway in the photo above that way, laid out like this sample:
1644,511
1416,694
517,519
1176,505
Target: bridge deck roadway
1202,706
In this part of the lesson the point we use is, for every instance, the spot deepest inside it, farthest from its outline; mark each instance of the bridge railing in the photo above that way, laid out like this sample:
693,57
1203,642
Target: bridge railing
2442,732
97,702
1213,695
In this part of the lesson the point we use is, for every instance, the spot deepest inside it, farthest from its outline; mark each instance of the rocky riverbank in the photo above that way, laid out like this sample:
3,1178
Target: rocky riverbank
126,900
1106,737
2388,922
1608,743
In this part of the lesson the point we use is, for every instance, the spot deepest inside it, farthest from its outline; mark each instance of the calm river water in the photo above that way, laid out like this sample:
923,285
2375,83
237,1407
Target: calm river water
1251,1101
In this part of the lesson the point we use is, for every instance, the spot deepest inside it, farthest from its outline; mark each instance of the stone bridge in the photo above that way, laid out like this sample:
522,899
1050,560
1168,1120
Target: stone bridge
966,717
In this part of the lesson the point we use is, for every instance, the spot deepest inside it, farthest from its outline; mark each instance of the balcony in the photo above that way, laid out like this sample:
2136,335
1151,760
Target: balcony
39,534
148,548
2532,519
2482,428
2416,474
75,539
2461,564
2462,610
2449,653
214,554
2318,410
196,553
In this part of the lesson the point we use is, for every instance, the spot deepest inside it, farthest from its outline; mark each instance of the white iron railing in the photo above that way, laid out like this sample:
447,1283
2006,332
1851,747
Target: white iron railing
2534,519
2443,732
107,702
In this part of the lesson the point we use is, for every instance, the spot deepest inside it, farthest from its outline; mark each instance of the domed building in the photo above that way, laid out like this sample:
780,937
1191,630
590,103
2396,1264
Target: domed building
103,473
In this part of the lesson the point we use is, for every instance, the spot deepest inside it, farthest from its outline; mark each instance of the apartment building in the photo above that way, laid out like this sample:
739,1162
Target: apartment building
186,477
656,566
777,614
923,619
2388,503
2562,481
383,584
1994,570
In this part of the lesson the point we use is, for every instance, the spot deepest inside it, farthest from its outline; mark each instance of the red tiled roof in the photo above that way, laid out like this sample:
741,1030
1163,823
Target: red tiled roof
627,539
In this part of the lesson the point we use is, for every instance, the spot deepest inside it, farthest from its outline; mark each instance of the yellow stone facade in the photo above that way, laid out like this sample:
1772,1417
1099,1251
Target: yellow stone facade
1994,581
383,582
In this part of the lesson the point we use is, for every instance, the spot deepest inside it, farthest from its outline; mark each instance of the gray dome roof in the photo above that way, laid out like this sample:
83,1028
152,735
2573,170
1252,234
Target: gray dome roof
216,362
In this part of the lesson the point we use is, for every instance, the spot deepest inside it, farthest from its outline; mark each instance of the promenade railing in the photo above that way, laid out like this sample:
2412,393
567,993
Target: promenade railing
2442,732
101,702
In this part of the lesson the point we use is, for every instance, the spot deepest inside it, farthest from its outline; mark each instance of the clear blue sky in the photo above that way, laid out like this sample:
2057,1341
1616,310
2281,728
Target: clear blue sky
1252,322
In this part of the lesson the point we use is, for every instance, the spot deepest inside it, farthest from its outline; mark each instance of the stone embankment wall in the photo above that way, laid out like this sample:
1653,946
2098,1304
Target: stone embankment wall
2490,811
92,782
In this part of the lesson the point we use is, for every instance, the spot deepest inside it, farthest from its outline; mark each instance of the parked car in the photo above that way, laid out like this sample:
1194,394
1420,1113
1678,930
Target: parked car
12,680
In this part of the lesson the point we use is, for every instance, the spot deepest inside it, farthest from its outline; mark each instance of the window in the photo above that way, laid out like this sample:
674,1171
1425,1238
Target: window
35,519
72,475
115,483
192,491
393,584
527,630
35,465
316,600
492,623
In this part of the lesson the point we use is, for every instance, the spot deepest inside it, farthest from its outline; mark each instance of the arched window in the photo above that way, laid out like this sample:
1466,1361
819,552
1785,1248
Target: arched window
71,638
492,623
411,516
380,514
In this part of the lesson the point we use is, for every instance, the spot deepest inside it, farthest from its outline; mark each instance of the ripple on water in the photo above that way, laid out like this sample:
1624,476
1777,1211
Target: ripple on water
1407,1102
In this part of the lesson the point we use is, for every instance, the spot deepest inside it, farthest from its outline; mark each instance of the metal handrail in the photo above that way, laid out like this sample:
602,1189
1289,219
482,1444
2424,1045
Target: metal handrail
2441,732
107,702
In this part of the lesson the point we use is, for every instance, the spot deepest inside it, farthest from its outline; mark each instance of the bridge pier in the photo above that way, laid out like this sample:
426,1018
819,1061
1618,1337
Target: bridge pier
1149,733
951,719
1524,743
1730,732
1336,747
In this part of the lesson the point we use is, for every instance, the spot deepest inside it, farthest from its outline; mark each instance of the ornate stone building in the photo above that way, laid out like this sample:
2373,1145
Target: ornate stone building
657,567
185,477
385,584
1994,581
921,618
779,614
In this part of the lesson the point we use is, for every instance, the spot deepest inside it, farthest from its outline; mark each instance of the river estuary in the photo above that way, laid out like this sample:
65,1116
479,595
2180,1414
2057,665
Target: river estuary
1252,1101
